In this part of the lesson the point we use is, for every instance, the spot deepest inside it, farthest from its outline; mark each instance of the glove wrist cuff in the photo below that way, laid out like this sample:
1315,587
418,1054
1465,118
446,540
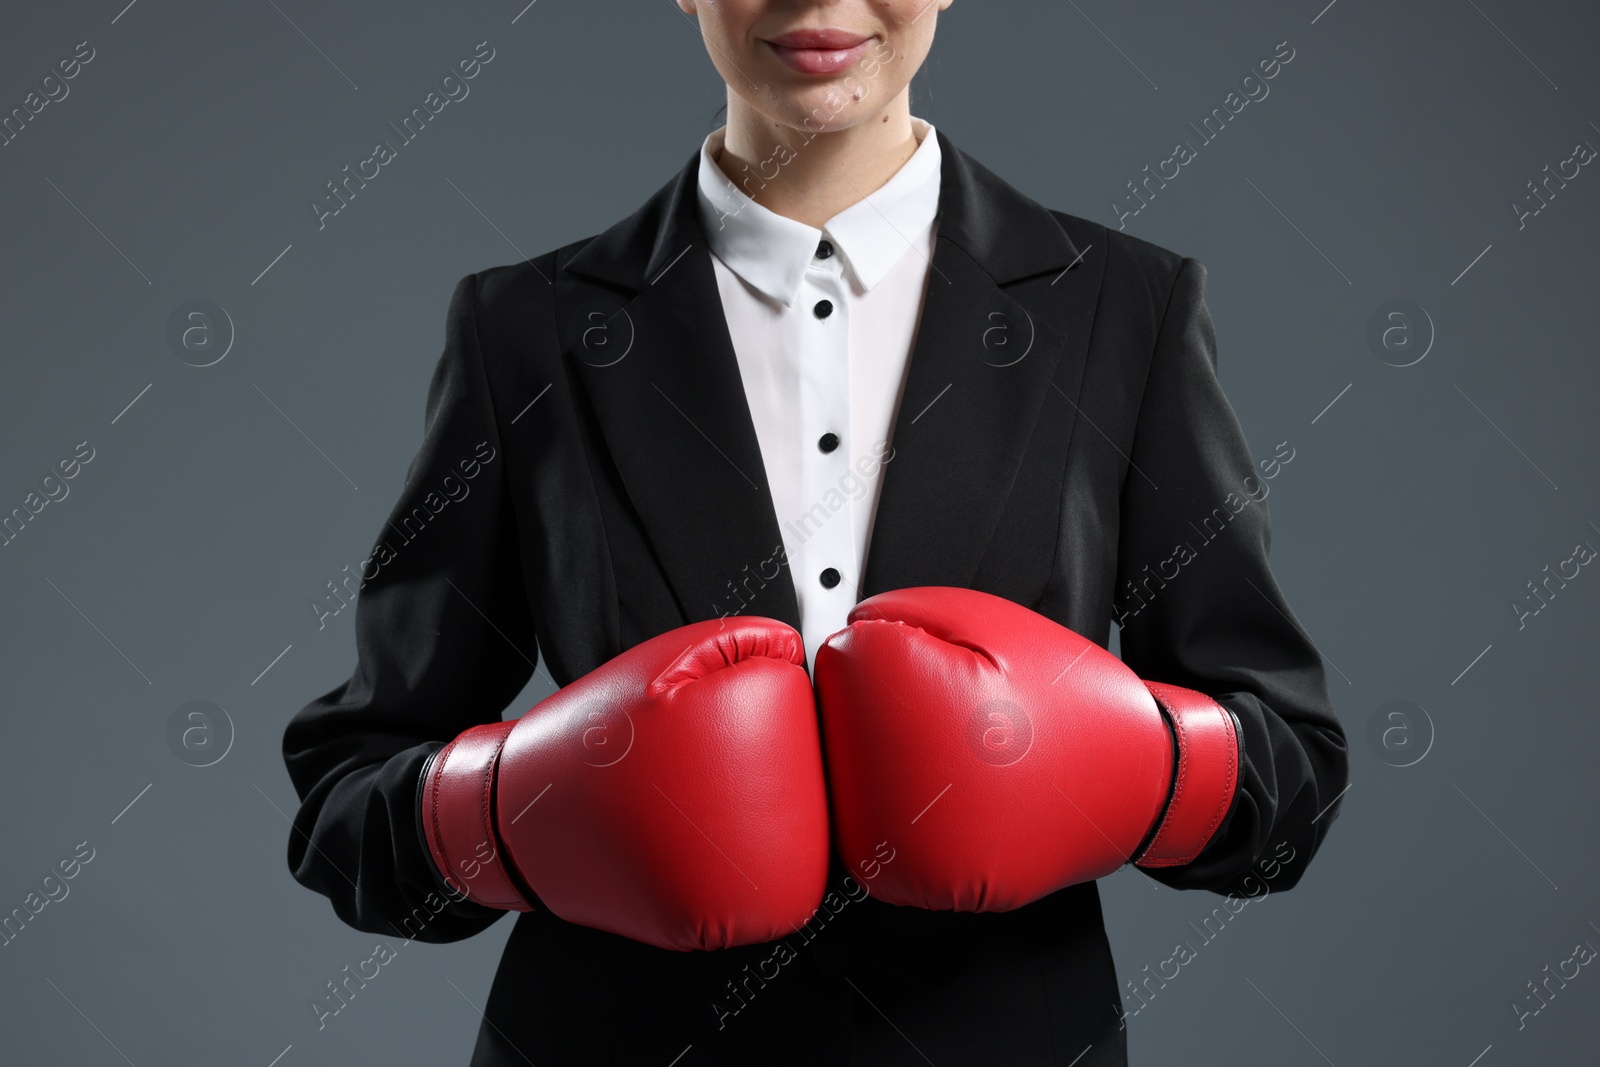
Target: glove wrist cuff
458,818
1204,780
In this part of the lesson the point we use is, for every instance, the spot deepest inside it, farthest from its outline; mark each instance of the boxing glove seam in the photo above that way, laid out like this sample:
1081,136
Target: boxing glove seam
977,650
491,819
513,873
1180,776
441,881
487,809
1160,821
435,771
688,668
1225,799
511,877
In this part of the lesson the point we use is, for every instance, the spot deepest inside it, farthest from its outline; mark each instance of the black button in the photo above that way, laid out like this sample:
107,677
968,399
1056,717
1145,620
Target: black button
823,309
824,250
828,442
830,578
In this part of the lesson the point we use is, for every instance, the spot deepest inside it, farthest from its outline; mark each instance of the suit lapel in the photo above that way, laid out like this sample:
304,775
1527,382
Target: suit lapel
647,337
1004,324
980,370
659,367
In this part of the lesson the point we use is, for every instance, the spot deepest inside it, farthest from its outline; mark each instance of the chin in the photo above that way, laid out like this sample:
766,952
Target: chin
821,109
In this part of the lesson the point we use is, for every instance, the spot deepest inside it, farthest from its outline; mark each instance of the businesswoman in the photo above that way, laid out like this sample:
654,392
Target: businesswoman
818,481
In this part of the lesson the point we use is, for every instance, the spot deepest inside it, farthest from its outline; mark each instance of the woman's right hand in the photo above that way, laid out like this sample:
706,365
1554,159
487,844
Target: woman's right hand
674,795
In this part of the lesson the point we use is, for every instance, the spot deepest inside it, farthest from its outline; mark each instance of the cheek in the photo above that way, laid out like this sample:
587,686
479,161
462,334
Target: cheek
904,12
909,32
731,21
726,28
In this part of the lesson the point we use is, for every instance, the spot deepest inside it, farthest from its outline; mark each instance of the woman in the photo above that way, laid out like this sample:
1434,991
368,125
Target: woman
660,456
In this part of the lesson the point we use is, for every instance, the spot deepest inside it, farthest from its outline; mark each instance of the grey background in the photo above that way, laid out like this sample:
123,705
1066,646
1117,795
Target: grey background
181,563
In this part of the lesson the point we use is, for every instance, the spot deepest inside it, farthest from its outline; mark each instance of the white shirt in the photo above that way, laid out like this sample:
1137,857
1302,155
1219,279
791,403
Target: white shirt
838,373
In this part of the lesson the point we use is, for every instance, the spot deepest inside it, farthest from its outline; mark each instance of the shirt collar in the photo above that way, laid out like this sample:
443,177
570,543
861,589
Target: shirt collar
772,251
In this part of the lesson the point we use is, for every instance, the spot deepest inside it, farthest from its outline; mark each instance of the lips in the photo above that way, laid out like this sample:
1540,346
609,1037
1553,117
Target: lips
819,51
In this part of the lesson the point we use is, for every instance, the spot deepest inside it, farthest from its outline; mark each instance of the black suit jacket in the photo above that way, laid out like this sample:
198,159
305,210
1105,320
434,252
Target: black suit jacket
590,477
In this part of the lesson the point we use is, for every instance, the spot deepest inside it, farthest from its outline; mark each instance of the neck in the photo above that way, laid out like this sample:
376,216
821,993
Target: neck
811,177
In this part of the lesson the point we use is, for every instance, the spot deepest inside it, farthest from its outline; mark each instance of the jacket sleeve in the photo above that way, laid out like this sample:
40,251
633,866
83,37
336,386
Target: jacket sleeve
1198,607
444,641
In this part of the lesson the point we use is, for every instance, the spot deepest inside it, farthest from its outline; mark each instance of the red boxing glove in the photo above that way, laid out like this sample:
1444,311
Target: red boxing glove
674,795
1004,757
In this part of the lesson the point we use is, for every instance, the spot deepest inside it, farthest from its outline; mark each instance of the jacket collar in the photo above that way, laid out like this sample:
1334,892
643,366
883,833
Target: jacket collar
645,334
1005,232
